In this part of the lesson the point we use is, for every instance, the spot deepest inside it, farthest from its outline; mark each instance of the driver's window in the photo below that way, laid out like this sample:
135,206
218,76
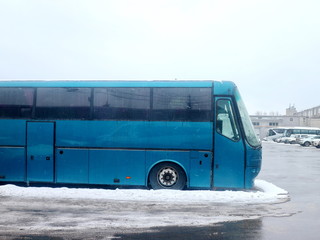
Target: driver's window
226,124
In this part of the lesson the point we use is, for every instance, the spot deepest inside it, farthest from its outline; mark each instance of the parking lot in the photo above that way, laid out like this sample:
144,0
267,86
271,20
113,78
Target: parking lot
296,169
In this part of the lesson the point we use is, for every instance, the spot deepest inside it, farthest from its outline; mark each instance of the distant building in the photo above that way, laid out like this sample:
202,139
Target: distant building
306,118
311,112
311,116
262,123
291,110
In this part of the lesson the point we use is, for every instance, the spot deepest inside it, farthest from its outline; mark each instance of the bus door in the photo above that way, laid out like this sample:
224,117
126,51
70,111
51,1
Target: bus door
40,151
229,153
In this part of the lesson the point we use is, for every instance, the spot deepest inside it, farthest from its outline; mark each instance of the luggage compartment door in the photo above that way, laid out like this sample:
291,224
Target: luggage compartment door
40,152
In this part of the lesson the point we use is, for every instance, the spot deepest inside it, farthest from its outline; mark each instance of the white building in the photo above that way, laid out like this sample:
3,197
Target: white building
307,118
262,123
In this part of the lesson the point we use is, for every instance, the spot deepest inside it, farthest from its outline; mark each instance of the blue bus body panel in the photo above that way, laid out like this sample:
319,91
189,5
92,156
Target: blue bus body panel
12,164
134,134
228,163
12,132
224,88
179,157
121,167
12,150
40,151
97,166
200,169
253,165
72,165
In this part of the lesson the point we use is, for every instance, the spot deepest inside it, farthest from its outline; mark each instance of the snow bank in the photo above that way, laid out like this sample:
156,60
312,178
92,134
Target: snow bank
267,193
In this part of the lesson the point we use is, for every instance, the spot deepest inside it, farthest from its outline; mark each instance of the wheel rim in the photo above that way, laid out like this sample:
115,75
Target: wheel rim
167,177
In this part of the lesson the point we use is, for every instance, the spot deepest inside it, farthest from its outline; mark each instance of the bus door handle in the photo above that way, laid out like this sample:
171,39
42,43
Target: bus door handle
32,157
217,165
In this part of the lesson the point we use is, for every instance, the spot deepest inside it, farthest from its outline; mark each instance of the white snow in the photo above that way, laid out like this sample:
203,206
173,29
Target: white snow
266,193
88,208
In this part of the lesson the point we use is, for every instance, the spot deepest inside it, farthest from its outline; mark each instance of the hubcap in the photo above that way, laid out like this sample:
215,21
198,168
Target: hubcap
167,176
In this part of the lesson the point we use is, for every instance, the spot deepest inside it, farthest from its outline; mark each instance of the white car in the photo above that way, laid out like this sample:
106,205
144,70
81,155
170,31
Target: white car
299,137
278,140
316,143
286,140
307,141
294,138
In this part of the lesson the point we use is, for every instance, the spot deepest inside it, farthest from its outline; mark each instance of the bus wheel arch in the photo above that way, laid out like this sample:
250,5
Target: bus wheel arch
167,175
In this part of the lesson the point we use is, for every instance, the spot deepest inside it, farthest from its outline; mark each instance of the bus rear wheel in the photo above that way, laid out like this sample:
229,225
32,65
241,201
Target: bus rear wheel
167,176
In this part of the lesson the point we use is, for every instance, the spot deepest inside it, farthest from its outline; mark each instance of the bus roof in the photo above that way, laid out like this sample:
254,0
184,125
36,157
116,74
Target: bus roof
303,128
220,87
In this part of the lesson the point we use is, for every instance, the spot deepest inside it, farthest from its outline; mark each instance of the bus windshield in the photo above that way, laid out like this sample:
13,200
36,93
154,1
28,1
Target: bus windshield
246,122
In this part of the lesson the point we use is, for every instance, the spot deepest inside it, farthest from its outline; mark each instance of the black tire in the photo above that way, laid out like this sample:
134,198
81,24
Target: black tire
307,144
318,146
167,176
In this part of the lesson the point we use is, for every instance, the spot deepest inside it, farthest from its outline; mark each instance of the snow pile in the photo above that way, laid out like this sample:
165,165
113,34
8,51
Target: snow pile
267,193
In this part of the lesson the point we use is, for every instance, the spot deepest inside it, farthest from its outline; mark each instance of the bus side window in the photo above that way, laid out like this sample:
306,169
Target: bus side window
16,102
63,103
225,120
181,104
121,103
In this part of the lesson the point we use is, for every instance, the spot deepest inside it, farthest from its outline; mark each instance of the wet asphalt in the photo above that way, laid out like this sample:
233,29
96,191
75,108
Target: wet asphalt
292,167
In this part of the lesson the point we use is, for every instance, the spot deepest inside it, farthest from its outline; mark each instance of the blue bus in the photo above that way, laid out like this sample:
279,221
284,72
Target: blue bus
156,134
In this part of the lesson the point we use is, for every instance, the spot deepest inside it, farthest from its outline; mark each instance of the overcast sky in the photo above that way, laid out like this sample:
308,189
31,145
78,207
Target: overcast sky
269,48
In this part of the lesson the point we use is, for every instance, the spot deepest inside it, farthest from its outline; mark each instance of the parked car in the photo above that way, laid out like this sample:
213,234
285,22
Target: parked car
278,140
307,140
299,137
293,138
286,140
281,139
316,143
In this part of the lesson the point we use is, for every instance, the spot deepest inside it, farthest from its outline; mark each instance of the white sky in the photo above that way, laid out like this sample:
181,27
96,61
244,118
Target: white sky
270,49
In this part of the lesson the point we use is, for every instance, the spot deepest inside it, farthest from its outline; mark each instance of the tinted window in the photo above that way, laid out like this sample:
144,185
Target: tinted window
279,130
226,124
63,103
121,103
181,104
271,133
16,102
297,131
312,132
